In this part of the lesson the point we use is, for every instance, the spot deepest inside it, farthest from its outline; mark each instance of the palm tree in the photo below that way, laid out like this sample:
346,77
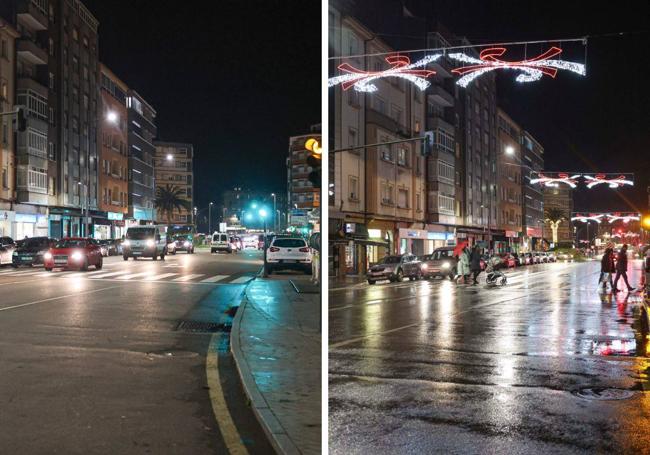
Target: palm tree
554,217
168,199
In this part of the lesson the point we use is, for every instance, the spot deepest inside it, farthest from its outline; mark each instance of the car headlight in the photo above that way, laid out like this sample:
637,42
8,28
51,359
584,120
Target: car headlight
76,256
445,265
47,256
150,243
425,266
186,243
126,243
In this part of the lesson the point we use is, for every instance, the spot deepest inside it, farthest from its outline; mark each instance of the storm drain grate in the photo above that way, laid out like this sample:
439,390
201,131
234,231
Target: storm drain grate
202,327
599,393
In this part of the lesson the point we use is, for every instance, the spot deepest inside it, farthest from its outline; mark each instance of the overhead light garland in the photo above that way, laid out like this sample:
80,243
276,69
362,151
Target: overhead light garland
402,68
588,218
562,177
602,179
624,218
533,69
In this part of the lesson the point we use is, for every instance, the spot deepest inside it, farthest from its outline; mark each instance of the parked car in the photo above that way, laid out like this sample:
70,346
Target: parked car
518,259
551,256
440,263
528,258
145,241
288,253
395,268
109,247
220,242
251,241
564,256
74,252
32,251
7,247
507,260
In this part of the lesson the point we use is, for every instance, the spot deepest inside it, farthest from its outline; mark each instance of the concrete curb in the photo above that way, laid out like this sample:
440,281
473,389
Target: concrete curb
277,435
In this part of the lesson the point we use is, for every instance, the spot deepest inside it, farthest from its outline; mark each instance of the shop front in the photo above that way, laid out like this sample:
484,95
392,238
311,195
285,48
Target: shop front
437,239
413,241
29,225
514,244
532,241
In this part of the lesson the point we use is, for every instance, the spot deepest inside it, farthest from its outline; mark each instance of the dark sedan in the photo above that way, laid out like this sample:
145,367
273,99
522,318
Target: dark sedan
31,251
395,268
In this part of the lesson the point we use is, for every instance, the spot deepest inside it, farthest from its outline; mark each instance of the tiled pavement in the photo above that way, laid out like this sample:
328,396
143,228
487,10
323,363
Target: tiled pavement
276,342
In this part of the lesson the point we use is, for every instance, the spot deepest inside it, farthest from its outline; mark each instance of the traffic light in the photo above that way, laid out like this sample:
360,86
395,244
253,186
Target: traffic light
427,144
314,161
21,121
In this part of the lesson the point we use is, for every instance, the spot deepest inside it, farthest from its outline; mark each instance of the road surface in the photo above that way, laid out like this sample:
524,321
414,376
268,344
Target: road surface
133,358
431,367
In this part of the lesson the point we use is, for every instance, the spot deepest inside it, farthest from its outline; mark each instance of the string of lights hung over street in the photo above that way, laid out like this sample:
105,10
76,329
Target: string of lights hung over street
554,179
531,69
625,217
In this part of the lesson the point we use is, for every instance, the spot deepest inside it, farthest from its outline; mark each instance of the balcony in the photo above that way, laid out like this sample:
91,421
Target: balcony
440,96
33,13
30,51
27,83
438,123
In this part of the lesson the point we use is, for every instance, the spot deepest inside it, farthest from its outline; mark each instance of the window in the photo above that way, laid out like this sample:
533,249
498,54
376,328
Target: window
446,172
402,156
5,180
354,45
387,193
379,104
446,204
352,137
396,114
51,151
3,49
51,81
51,47
403,198
418,204
353,182
4,90
75,34
85,41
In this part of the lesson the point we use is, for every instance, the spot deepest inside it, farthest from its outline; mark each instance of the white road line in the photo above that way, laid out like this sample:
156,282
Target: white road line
56,298
76,275
132,275
104,275
188,277
160,277
242,279
214,279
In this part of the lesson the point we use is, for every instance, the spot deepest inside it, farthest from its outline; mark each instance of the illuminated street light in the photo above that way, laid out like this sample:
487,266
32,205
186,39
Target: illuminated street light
263,213
169,157
111,117
510,150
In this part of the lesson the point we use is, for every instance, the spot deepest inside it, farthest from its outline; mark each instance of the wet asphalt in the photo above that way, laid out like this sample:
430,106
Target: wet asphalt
432,367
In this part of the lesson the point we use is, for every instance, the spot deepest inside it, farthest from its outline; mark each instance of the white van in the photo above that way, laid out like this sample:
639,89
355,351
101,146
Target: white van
145,241
220,242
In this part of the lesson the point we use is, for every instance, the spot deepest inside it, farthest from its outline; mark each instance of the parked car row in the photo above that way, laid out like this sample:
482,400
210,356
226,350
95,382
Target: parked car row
441,263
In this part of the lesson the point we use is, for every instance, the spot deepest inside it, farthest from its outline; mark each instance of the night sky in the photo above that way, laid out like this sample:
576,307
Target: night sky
234,78
597,123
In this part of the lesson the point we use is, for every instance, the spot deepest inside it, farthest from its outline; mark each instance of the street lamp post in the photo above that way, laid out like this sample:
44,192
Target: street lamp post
210,218
262,212
275,229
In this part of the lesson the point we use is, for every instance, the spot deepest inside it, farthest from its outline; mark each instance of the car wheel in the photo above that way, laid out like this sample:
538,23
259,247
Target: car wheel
400,276
126,258
371,281
100,264
212,251
155,257
84,267
162,256
269,270
48,269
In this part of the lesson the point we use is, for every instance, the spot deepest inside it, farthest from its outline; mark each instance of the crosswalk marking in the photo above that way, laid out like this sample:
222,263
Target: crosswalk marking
160,277
242,279
131,275
104,275
214,279
188,277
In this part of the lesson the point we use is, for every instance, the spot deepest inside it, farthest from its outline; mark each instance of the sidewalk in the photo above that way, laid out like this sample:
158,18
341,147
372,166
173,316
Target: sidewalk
276,344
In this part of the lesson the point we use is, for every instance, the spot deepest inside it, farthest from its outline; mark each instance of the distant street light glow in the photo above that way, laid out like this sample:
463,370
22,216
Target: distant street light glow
510,150
111,117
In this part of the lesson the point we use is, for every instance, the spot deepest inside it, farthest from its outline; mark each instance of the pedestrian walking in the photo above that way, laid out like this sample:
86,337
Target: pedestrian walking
475,264
463,265
621,269
607,268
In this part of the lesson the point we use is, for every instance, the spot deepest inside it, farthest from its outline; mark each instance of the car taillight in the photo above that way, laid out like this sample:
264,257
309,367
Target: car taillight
274,249
304,250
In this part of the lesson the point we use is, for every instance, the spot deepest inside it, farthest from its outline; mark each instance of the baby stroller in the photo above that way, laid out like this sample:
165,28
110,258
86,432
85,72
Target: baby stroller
494,276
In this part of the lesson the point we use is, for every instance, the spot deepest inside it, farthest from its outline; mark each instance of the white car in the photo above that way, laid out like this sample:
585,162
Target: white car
220,242
288,253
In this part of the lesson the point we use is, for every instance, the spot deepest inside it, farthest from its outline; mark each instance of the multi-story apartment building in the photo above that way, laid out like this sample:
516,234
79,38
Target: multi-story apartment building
302,193
533,197
509,184
34,170
377,201
173,165
142,131
8,35
113,155
559,197
73,70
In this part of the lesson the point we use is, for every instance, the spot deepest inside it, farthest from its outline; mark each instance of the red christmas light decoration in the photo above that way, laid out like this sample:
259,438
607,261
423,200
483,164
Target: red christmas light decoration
562,177
612,182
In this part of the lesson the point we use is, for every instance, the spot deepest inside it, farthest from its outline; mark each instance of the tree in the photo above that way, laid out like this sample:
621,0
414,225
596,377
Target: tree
554,217
168,199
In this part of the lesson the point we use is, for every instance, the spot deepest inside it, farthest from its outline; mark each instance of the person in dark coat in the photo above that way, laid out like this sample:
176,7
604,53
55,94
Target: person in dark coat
475,263
621,269
607,266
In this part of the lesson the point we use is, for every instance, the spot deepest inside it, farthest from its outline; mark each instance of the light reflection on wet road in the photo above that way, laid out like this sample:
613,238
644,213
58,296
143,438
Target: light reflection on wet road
431,367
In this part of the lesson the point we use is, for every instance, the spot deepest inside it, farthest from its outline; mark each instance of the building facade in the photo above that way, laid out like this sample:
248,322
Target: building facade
509,184
141,133
8,36
561,198
113,155
302,193
173,164
533,196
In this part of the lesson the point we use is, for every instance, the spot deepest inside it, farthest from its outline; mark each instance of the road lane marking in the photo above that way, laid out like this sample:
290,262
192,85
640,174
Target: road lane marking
104,275
231,436
160,277
56,298
131,275
241,279
214,279
188,277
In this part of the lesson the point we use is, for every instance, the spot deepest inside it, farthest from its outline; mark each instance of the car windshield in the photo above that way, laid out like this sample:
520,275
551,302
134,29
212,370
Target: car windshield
35,243
390,260
139,234
219,238
441,254
289,243
71,243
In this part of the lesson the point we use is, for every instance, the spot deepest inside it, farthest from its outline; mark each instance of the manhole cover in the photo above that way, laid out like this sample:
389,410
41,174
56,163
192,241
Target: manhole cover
599,393
202,327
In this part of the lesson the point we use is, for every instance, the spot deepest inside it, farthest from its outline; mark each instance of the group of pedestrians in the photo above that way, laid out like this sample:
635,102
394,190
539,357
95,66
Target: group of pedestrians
610,264
469,262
